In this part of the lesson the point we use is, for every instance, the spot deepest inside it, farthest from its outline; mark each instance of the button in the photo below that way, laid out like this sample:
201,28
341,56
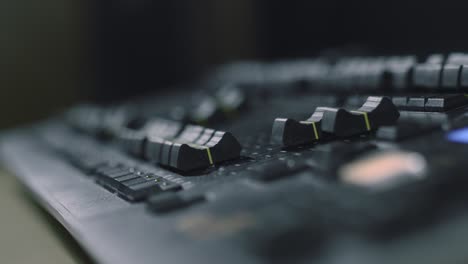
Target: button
195,148
458,136
427,76
289,132
379,110
416,103
443,103
157,130
400,102
384,170
223,146
169,202
375,112
342,123
133,181
450,77
186,157
126,177
117,183
136,186
404,130
430,103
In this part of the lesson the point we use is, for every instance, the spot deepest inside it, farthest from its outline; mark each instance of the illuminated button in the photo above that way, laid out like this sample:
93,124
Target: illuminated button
459,135
385,169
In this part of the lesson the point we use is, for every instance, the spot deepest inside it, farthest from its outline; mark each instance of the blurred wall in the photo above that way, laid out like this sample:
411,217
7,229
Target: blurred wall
39,58
53,52
149,45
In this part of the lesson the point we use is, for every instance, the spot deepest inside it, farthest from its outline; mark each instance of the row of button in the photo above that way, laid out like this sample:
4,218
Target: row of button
397,73
191,148
130,183
449,77
165,142
195,148
375,112
437,103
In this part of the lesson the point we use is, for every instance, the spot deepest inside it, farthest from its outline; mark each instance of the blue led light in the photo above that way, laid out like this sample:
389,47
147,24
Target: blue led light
459,135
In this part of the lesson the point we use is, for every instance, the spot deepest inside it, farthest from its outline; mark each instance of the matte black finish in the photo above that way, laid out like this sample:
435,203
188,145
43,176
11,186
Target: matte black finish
254,200
375,112
289,132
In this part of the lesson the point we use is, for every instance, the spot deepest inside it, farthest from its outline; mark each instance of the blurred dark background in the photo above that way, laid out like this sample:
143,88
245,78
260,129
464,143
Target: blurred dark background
56,52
